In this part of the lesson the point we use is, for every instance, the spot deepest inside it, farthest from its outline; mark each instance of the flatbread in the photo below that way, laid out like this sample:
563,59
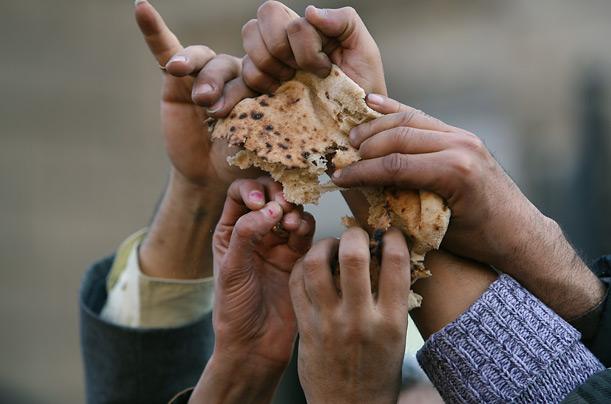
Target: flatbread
291,133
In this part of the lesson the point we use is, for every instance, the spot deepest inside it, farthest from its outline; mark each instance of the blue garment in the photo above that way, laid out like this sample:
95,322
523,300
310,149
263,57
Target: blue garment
507,347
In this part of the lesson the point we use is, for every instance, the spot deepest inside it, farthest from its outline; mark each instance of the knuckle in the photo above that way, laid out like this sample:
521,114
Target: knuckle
354,258
405,131
355,332
244,228
394,163
226,58
248,27
393,332
349,12
396,256
312,262
279,48
253,77
473,143
267,7
295,25
407,116
463,165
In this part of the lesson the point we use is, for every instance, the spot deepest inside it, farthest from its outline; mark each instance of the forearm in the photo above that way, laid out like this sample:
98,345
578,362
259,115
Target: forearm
236,380
455,285
546,264
507,347
178,244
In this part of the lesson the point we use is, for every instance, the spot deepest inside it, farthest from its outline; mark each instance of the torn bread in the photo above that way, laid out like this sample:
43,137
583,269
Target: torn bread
290,135
375,264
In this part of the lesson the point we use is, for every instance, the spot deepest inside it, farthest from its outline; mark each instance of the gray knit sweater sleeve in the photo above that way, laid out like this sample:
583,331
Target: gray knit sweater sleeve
507,347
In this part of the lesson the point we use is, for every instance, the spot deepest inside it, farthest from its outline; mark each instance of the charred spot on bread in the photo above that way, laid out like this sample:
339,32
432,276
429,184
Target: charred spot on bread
256,115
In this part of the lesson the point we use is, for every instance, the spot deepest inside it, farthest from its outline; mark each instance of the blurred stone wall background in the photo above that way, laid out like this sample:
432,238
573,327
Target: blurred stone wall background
82,162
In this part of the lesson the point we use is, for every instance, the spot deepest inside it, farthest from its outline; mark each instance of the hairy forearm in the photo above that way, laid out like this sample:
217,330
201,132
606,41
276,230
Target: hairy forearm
548,266
236,380
178,244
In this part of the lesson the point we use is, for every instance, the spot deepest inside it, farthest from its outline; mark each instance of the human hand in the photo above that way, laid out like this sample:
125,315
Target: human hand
279,41
351,347
492,221
409,149
197,84
253,319
252,265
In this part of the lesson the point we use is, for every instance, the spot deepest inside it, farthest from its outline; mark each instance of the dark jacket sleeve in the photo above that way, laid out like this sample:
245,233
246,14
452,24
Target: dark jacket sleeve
131,365
597,389
595,326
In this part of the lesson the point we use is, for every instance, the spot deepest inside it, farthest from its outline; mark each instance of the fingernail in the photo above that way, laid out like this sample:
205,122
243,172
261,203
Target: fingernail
337,173
375,99
352,136
292,220
216,106
139,2
273,209
280,198
321,12
206,88
177,58
256,197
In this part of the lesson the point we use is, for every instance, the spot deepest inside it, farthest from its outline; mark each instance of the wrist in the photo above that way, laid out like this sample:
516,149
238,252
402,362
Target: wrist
178,244
232,378
547,265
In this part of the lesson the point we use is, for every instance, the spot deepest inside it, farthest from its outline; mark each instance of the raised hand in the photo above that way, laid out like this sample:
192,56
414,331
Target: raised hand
492,221
351,347
253,318
197,84
279,41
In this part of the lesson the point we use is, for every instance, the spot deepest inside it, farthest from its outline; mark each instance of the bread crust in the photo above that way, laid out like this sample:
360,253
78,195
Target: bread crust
292,133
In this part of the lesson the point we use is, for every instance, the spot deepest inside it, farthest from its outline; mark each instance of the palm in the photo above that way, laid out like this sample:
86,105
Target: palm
258,305
186,135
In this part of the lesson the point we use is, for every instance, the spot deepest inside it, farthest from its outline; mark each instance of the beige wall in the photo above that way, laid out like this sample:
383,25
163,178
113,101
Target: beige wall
82,162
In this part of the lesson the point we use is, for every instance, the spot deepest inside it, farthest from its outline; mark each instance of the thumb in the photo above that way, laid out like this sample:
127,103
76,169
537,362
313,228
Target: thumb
249,231
343,24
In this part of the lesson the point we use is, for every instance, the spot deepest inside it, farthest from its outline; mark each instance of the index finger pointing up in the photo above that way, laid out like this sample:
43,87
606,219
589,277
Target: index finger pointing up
161,41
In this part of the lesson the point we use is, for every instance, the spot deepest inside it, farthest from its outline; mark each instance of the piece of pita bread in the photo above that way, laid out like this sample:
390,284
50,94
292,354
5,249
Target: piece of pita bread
291,133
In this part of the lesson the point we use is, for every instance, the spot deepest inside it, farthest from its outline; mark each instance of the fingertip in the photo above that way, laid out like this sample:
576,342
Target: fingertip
286,205
216,108
353,137
256,198
337,175
291,221
374,99
303,229
178,66
324,71
272,210
313,12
